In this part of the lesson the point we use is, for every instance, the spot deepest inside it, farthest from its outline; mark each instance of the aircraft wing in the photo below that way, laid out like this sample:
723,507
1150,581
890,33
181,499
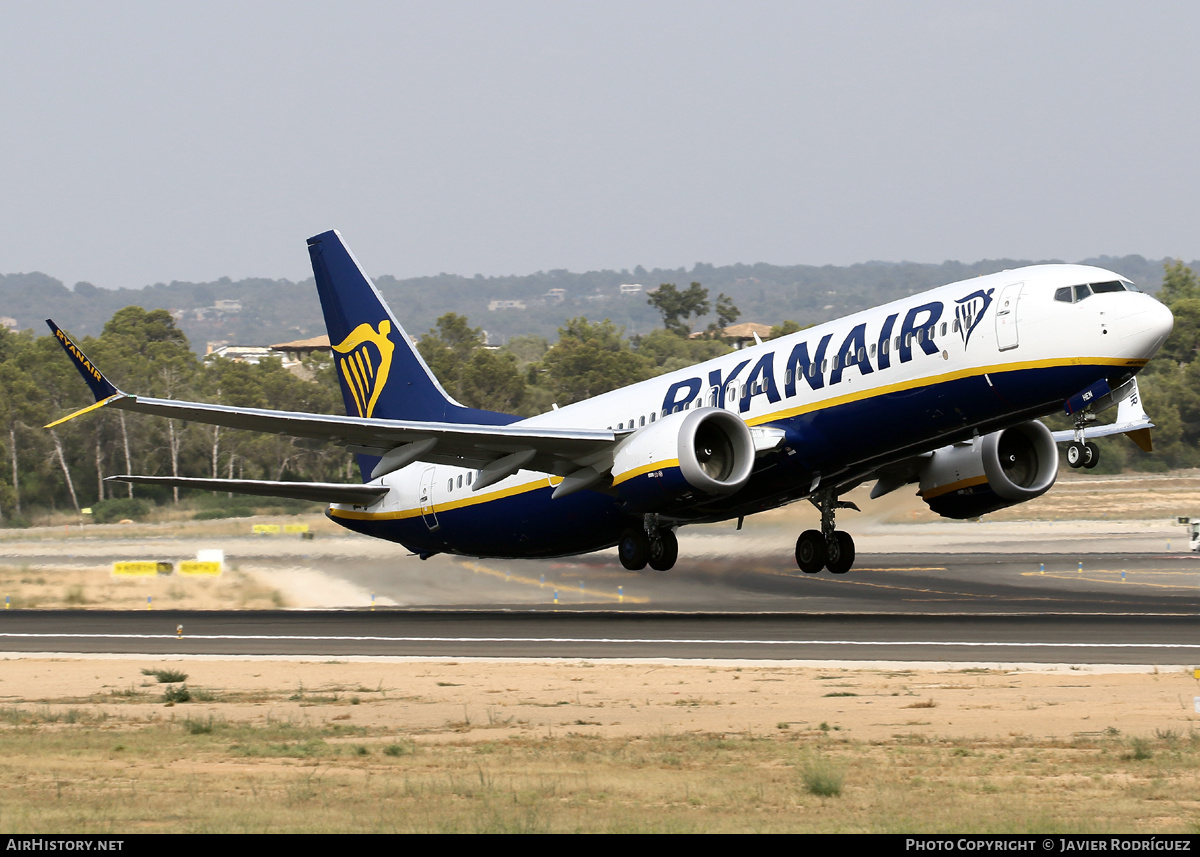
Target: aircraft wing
397,442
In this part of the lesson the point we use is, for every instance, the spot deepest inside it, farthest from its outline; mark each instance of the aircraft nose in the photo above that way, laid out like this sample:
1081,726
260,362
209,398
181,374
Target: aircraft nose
1146,331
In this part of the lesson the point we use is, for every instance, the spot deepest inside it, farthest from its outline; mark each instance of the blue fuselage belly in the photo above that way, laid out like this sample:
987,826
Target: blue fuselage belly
529,524
826,441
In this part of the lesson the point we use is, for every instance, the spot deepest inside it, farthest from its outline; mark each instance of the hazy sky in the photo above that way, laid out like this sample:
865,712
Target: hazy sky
147,142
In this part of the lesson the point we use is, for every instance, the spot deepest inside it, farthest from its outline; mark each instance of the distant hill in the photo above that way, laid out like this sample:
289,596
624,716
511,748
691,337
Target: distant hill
270,311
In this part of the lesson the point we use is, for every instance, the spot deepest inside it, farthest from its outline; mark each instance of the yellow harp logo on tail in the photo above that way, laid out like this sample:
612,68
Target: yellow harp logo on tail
365,368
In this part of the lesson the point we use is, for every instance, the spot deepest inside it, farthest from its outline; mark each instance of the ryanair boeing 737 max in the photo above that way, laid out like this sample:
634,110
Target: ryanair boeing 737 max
942,389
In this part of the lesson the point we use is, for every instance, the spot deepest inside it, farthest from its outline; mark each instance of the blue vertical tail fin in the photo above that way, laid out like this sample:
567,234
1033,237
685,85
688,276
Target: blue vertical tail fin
381,373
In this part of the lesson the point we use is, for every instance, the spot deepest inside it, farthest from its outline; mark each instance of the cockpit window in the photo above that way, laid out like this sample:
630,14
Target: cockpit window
1074,294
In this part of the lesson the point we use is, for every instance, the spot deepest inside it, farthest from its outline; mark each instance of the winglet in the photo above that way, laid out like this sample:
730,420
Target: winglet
101,387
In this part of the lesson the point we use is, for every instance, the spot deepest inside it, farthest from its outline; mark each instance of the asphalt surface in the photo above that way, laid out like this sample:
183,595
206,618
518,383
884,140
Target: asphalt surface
974,607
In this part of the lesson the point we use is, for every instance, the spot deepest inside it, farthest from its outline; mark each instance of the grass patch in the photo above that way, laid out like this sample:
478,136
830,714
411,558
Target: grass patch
165,676
821,779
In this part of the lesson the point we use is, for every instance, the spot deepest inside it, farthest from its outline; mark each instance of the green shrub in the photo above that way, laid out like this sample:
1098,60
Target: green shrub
174,694
111,511
166,676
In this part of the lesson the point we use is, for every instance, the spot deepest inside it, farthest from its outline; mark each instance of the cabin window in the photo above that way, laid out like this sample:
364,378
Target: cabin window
955,327
835,363
943,328
469,475
862,354
824,366
450,485
883,346
642,420
460,480
872,349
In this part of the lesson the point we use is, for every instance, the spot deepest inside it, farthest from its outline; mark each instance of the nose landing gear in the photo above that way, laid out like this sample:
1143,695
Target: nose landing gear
1083,454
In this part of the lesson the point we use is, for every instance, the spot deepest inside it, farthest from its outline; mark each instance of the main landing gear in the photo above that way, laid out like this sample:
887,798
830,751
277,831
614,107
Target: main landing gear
828,548
648,545
1083,454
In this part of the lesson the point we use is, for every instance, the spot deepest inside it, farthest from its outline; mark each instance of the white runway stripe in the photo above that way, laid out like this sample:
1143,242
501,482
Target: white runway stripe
607,641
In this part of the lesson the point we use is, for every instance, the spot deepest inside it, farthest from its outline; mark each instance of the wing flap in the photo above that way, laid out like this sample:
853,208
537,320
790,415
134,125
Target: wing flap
320,492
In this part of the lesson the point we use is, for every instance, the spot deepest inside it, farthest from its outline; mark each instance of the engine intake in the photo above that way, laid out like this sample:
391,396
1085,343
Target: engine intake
993,472
708,451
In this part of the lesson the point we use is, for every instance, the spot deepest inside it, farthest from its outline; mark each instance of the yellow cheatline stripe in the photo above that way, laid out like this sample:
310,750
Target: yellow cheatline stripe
953,486
438,508
646,468
83,411
930,381
564,587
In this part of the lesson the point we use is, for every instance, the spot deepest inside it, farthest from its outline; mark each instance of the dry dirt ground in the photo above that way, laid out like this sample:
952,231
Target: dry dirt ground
440,700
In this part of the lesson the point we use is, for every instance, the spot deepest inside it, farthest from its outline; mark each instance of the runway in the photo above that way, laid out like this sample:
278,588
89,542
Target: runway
945,636
1121,605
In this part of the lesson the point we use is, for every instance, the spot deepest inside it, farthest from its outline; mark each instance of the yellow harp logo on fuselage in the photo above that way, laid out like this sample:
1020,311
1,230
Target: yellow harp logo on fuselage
365,369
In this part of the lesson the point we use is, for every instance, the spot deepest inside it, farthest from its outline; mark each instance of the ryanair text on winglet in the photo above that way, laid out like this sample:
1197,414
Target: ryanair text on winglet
77,354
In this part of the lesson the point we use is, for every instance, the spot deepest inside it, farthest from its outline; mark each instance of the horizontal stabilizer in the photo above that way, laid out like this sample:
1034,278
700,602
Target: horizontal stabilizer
320,492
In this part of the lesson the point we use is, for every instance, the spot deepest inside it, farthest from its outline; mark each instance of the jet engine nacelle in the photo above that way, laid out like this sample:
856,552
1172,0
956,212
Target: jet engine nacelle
1001,469
685,455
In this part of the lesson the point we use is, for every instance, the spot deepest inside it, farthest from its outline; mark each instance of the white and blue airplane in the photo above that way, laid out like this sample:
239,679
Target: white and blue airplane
941,389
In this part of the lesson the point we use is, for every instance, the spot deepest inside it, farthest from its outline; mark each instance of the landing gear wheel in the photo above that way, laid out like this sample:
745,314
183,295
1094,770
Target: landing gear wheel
1076,454
841,553
634,549
810,551
1091,455
664,550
